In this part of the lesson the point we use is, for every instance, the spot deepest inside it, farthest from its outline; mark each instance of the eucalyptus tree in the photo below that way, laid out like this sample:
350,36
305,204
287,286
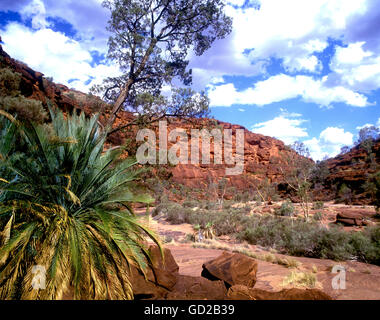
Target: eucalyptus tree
151,41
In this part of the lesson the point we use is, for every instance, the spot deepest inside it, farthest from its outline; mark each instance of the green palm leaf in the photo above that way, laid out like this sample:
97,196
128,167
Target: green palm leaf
65,205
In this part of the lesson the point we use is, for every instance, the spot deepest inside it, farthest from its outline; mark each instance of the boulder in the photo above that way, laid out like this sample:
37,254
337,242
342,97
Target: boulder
197,288
161,276
350,218
232,268
241,292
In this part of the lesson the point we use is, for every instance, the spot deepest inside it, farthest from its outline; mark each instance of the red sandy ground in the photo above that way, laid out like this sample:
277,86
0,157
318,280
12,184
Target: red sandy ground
362,280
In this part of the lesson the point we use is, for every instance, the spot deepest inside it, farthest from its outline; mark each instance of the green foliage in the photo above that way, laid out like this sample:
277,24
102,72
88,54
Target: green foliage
16,104
298,170
286,209
295,237
318,205
65,205
318,216
310,239
345,194
372,187
367,136
320,173
150,42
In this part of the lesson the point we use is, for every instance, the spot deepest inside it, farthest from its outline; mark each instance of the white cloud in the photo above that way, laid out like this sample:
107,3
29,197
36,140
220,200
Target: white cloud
378,122
56,55
282,87
334,136
241,110
289,128
329,143
283,128
367,125
37,12
356,67
291,30
310,63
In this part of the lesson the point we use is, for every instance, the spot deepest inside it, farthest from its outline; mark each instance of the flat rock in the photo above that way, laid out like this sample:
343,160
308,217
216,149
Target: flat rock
232,268
241,292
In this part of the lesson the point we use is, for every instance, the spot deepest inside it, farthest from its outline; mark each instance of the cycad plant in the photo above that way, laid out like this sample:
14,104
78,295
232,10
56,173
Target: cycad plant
65,209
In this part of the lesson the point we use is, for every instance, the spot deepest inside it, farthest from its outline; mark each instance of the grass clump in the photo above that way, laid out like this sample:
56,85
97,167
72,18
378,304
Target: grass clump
300,279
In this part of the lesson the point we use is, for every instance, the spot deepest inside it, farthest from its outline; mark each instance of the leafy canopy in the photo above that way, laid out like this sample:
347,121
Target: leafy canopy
150,41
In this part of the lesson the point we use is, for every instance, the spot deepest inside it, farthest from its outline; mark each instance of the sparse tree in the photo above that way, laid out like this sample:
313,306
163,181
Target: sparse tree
297,169
217,190
345,194
265,190
150,41
367,136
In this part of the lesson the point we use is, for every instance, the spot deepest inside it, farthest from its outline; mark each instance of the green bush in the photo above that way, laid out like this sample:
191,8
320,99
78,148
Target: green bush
286,209
191,203
318,205
310,239
16,104
318,216
295,237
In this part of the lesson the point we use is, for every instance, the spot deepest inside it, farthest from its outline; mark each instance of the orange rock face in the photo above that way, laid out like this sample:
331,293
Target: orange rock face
353,169
261,153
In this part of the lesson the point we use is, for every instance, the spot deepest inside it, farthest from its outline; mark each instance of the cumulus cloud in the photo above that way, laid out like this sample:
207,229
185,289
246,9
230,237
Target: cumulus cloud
282,127
281,87
356,67
329,143
58,56
290,127
37,12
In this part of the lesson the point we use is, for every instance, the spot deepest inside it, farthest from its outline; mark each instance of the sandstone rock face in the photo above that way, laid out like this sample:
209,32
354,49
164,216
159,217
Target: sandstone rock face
241,292
232,268
161,276
261,153
350,218
197,288
351,169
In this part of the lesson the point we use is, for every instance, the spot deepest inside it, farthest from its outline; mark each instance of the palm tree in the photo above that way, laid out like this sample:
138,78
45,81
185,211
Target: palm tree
65,206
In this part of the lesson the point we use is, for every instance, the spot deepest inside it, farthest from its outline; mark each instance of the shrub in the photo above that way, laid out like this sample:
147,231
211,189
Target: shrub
318,205
16,104
286,209
318,216
190,203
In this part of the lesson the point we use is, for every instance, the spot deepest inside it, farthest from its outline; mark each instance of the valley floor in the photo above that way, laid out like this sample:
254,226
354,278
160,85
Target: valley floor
362,280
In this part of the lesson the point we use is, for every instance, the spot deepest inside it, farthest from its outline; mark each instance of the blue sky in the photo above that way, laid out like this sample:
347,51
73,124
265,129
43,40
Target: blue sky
295,69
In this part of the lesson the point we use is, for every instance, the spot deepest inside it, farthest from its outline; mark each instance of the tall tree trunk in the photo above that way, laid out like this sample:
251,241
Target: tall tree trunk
118,104
125,91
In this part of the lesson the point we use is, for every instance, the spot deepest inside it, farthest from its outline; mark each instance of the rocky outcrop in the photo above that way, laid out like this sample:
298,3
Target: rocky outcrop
230,276
350,218
241,292
352,169
197,288
232,268
261,153
160,278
